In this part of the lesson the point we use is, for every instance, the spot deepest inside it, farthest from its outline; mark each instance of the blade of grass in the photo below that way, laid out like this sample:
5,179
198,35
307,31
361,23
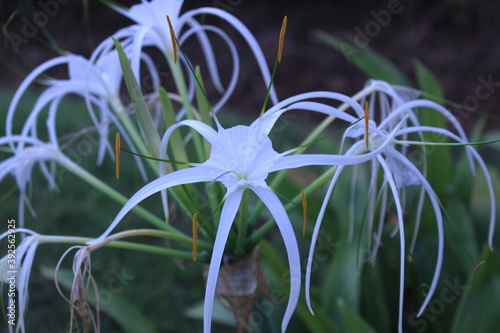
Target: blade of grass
143,114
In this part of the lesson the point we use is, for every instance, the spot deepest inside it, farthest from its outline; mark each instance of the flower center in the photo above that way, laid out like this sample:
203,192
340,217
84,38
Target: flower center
241,155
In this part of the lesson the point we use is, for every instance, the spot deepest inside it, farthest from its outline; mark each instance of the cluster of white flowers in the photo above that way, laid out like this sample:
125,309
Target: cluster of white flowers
241,157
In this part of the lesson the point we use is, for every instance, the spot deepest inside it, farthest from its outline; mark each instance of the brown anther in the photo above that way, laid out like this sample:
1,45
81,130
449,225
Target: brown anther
174,40
117,154
282,38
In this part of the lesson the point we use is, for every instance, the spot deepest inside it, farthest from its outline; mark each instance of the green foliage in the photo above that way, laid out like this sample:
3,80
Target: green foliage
478,310
438,157
143,114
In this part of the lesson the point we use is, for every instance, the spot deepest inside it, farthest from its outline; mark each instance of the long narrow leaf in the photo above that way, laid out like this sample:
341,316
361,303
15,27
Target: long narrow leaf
479,307
143,115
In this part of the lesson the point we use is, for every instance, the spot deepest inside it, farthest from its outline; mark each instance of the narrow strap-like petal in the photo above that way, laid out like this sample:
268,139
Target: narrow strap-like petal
399,209
278,212
246,34
270,118
226,221
315,234
180,177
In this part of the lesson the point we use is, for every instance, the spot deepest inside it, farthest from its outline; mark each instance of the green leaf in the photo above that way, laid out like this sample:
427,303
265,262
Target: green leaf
479,307
374,306
143,115
219,314
342,280
320,322
368,61
461,236
175,141
352,321
117,307
439,166
204,106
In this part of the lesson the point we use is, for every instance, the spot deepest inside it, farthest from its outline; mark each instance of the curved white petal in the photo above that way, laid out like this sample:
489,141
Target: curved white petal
300,160
269,119
179,177
315,234
285,226
439,222
246,34
206,46
399,209
213,67
471,153
25,84
298,101
228,213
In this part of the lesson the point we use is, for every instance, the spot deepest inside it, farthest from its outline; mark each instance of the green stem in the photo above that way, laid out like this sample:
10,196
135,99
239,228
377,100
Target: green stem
115,195
261,233
136,137
180,83
113,242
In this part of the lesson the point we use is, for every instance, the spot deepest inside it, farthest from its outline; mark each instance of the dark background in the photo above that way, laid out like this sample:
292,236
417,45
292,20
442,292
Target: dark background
457,39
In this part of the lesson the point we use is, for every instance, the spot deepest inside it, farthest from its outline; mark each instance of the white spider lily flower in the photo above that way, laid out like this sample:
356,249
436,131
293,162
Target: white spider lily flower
241,159
21,163
151,29
16,265
400,171
98,83
18,272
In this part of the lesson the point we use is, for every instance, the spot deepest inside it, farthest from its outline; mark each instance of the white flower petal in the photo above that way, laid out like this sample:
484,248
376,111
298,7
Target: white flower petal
285,226
228,213
179,177
399,209
246,34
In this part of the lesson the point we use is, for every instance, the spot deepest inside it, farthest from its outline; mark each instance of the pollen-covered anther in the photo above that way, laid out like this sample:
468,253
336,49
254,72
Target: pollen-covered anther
195,235
282,38
174,39
117,154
